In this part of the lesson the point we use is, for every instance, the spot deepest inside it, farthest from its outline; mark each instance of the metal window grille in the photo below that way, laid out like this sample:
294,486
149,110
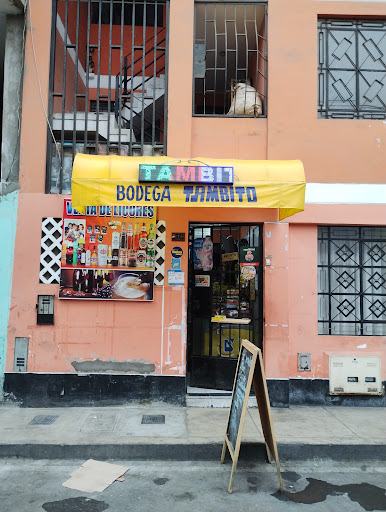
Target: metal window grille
230,48
352,69
352,281
107,82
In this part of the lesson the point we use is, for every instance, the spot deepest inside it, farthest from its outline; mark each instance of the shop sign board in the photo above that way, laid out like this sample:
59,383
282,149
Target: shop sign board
249,256
177,252
230,256
108,253
176,277
167,173
176,263
249,369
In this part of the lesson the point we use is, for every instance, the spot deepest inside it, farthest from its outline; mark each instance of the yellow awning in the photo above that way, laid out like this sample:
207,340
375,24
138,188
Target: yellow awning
113,180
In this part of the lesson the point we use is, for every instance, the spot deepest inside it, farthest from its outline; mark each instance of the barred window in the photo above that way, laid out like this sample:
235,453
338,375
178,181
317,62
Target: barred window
352,69
352,280
230,59
107,82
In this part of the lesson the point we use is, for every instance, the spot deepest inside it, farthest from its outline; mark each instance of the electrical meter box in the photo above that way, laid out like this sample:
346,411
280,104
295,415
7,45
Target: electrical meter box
355,375
45,309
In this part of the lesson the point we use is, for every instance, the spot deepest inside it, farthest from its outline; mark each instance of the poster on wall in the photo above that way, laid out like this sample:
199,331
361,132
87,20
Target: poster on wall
249,256
203,253
108,253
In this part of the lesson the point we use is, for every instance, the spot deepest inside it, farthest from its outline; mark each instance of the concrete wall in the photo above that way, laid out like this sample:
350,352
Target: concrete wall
8,214
12,94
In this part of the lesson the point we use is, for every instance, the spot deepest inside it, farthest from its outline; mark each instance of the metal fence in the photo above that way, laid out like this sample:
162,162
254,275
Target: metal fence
230,59
352,69
108,91
352,280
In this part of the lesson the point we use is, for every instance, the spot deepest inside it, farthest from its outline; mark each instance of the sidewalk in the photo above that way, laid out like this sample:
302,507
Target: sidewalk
189,433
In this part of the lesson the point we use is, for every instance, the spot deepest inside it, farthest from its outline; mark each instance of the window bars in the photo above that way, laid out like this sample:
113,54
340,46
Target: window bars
230,59
352,69
352,281
107,81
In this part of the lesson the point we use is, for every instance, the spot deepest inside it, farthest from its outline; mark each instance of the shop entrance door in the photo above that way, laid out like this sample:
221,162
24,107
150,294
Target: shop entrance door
225,280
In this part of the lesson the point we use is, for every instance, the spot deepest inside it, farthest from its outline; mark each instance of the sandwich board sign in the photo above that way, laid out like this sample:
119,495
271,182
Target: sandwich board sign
249,369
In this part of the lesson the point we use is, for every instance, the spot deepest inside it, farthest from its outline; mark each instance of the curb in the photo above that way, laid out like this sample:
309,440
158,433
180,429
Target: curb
194,452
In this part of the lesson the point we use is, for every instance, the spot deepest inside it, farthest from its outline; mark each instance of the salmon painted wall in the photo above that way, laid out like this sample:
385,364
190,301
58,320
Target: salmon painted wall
349,151
303,307
332,151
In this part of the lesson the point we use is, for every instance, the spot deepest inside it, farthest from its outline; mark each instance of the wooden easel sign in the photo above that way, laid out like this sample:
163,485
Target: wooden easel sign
249,369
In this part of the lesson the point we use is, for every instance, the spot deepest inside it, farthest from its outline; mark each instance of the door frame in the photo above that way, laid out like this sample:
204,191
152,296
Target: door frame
211,361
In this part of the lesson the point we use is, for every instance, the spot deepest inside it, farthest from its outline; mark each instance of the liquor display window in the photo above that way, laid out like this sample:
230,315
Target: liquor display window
225,300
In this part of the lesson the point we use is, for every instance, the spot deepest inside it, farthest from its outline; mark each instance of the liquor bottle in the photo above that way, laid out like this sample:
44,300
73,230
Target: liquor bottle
94,257
83,256
69,253
64,252
79,255
151,238
130,236
90,282
99,280
88,258
132,258
136,237
109,257
150,258
141,258
85,280
123,247
75,255
115,239
75,281
143,238
123,242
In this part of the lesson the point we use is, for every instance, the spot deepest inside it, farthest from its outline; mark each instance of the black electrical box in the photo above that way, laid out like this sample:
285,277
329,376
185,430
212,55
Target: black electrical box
45,310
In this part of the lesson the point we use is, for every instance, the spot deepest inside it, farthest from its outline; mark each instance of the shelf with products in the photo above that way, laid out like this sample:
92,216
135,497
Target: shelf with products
230,301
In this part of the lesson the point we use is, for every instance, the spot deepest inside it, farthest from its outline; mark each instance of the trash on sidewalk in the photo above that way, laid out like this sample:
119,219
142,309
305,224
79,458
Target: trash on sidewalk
94,476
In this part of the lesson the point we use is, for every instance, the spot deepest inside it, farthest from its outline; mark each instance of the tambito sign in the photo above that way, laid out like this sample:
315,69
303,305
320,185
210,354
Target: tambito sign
249,369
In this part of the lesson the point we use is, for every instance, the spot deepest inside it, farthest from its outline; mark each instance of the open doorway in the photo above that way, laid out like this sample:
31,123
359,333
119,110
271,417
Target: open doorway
224,300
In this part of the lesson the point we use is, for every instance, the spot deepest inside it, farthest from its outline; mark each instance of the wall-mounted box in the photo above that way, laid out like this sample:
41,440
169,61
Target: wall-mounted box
20,355
304,362
45,310
355,375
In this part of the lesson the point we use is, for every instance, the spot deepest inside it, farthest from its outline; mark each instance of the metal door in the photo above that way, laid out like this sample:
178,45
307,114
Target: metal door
225,280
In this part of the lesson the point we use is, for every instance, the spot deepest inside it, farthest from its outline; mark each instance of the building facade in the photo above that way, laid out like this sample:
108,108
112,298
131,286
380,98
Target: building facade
197,81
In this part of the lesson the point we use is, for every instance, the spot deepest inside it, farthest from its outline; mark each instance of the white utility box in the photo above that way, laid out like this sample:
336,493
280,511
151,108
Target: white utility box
355,375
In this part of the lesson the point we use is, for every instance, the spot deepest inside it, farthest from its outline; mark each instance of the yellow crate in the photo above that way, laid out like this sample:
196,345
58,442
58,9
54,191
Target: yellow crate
230,341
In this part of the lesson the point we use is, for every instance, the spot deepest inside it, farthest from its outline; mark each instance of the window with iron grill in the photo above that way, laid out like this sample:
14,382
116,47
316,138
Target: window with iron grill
352,280
230,59
352,69
107,82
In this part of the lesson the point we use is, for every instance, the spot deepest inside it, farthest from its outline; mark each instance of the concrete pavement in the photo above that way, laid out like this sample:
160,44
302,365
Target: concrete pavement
188,433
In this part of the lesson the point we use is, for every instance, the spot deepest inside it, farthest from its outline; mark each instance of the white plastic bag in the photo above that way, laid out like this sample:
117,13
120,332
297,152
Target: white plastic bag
246,102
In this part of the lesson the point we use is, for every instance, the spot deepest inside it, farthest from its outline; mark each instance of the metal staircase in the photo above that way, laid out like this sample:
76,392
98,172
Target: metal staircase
140,94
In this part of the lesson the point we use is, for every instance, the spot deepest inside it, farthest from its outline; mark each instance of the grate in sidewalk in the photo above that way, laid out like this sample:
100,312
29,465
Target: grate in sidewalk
43,420
153,419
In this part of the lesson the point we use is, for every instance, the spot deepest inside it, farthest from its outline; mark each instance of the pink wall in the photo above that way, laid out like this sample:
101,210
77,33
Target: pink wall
303,307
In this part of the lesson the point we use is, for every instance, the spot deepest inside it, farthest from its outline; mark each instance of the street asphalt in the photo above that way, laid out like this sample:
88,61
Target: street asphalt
171,486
